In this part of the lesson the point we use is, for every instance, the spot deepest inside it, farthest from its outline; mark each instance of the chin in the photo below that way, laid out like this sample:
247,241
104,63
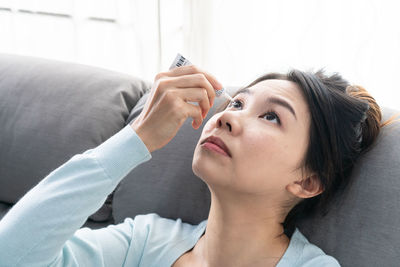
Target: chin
207,168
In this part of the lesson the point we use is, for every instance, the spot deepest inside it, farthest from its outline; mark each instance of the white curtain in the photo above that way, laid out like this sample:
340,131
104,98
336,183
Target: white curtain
235,40
121,35
358,38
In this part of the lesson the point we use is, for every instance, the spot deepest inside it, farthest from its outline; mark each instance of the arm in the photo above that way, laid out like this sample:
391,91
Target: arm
35,230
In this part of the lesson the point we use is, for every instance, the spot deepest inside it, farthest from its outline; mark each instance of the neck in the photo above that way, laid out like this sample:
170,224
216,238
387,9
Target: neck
241,234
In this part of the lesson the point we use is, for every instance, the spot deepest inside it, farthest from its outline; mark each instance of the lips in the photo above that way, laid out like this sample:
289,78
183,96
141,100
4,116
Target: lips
217,141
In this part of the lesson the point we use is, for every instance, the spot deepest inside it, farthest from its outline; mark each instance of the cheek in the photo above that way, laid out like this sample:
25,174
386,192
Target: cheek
262,146
256,159
264,163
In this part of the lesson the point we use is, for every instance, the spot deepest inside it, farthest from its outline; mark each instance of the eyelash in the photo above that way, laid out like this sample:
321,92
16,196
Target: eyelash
271,112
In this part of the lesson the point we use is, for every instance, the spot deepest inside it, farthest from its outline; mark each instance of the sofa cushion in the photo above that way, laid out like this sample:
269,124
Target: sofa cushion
363,226
50,111
4,208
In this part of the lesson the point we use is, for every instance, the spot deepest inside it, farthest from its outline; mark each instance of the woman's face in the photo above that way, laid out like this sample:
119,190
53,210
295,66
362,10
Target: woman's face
266,130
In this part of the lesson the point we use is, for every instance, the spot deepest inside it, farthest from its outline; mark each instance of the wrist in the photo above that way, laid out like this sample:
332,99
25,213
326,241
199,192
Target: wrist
142,136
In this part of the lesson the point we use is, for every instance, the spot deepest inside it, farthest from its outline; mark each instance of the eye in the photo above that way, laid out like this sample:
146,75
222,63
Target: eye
270,115
235,101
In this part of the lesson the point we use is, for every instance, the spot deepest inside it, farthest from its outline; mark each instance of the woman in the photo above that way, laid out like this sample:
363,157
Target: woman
286,145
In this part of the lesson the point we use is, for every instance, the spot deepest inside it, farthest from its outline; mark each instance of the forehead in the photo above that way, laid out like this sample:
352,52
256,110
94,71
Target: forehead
283,88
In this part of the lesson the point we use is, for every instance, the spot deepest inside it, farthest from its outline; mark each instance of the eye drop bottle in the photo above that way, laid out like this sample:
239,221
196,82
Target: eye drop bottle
180,61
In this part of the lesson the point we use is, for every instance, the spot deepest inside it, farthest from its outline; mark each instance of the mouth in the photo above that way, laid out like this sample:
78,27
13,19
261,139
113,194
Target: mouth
216,144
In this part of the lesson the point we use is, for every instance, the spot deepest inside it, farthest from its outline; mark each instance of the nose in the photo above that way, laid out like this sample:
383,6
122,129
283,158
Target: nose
224,121
220,122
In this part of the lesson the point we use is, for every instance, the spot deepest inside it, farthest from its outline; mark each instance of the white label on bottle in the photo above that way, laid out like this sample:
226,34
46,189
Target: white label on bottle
179,61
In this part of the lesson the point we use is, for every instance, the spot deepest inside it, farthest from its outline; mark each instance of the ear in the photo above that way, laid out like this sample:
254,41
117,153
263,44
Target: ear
306,188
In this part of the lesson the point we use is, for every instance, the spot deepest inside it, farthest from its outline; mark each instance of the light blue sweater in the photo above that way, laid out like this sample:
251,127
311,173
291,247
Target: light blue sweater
42,229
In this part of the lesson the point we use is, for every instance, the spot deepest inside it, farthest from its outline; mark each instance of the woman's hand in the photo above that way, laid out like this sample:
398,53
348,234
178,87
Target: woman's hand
166,109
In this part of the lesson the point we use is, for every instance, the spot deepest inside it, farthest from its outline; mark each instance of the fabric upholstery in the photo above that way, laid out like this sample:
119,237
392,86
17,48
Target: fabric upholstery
363,226
4,208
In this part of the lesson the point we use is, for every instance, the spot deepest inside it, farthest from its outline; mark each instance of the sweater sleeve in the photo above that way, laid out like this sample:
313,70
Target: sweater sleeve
42,227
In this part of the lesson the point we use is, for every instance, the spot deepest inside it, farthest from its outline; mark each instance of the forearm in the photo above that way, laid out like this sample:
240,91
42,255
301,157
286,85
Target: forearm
36,228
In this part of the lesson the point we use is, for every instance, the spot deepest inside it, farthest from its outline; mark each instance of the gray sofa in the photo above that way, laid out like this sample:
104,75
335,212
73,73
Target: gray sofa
50,111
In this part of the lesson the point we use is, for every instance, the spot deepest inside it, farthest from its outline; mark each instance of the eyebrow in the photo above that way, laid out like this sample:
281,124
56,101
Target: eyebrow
273,100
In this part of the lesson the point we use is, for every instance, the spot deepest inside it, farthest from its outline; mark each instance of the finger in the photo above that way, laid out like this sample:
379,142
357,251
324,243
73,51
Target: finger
197,80
195,95
195,113
192,69
161,75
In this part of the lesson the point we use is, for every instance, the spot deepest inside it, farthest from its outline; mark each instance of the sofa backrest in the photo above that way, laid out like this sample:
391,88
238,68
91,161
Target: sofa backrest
363,226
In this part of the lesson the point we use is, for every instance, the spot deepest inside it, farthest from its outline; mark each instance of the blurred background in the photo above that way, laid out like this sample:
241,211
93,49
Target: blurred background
235,40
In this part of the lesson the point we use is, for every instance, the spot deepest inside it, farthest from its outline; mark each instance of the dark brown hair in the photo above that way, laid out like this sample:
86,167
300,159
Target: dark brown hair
345,122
